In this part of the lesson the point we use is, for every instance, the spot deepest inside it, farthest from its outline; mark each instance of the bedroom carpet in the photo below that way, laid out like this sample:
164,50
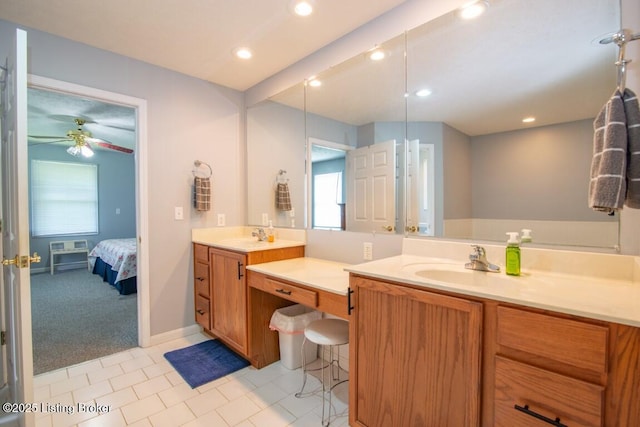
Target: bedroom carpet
77,317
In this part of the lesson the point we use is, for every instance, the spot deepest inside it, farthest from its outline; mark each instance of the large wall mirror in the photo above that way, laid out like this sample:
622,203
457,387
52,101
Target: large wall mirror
466,166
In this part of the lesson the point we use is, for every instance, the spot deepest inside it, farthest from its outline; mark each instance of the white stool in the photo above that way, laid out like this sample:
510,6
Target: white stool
331,333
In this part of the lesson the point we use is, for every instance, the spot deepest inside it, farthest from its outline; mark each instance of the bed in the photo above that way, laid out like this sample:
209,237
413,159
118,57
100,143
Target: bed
116,261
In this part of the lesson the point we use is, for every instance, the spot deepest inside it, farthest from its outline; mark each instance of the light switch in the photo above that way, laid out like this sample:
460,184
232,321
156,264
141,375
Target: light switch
178,213
367,251
117,211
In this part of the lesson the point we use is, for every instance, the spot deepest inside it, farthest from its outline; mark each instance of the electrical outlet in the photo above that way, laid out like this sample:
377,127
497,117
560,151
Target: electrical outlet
367,253
178,213
265,219
221,220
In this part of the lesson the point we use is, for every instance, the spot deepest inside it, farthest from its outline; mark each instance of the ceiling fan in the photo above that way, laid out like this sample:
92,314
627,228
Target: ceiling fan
81,139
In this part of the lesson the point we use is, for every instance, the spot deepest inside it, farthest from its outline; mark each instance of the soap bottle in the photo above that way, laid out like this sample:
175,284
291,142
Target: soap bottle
526,236
271,235
513,254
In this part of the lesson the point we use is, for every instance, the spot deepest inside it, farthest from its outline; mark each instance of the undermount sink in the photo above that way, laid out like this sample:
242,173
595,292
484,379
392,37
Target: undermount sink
458,274
464,276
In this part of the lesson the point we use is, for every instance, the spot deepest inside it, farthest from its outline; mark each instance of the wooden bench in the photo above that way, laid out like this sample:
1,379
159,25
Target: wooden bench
68,247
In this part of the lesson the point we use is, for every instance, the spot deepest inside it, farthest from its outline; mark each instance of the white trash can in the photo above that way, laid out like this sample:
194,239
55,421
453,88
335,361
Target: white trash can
290,323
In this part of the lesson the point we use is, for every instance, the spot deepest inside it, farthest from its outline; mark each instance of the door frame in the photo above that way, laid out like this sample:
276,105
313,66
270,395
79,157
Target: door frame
141,191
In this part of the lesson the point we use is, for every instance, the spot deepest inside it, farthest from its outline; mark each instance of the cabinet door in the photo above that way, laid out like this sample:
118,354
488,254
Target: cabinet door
415,357
229,298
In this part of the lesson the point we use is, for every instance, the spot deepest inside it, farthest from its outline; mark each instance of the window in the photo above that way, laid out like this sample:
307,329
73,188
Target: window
327,196
64,198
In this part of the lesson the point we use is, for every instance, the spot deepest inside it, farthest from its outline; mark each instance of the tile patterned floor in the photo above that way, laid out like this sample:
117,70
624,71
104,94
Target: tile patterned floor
140,388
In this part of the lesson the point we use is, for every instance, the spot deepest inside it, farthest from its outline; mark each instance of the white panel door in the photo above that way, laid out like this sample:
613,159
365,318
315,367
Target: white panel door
371,188
16,304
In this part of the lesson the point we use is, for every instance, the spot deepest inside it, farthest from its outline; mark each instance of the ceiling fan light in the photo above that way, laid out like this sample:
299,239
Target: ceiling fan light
86,151
74,150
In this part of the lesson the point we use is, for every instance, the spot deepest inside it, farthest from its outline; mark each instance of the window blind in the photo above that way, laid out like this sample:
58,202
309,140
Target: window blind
64,198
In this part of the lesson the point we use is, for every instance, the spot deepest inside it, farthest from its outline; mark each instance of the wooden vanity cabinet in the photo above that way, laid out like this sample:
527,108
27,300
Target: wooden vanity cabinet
415,357
229,298
201,285
549,368
432,358
220,288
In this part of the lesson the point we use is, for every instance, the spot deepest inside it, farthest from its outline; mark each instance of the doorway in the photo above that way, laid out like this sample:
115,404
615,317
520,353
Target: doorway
137,107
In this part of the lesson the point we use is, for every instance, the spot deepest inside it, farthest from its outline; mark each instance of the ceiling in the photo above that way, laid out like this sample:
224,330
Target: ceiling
489,58
197,38
52,114
194,38
519,59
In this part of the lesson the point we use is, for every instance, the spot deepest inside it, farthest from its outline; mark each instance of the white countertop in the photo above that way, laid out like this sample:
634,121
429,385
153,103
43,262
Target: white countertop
613,300
316,273
239,239
249,245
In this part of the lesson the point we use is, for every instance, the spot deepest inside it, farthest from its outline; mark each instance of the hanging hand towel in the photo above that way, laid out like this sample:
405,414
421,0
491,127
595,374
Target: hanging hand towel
607,187
632,114
202,194
283,198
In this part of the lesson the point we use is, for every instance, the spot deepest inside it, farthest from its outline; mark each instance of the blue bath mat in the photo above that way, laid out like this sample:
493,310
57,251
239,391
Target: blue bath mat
205,362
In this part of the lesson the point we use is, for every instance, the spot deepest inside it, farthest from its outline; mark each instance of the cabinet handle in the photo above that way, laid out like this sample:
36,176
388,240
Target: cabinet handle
200,278
282,291
528,411
240,270
349,305
200,312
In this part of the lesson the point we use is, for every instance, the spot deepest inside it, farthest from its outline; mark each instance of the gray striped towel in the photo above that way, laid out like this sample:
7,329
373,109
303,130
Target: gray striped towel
202,193
283,198
632,113
607,187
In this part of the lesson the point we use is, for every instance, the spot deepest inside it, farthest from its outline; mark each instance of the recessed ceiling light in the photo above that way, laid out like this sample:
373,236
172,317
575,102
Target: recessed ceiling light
376,55
243,53
303,8
423,92
473,9
313,82
528,120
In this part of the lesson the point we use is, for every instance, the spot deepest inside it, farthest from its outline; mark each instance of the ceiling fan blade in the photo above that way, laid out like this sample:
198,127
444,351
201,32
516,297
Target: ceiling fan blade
61,138
32,142
111,146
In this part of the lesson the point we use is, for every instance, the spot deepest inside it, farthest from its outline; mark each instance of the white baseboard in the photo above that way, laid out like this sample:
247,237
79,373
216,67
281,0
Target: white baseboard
174,335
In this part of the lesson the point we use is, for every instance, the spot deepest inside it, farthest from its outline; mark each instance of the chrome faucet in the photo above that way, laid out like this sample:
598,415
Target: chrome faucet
260,234
478,261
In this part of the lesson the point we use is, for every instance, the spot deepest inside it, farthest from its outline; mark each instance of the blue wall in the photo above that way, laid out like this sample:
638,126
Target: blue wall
116,189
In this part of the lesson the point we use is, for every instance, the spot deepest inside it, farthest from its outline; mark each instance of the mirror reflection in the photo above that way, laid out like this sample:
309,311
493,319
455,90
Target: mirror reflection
510,119
470,167
328,162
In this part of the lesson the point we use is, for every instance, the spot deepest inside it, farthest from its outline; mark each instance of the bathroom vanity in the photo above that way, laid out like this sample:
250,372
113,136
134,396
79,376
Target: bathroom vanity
433,344
220,283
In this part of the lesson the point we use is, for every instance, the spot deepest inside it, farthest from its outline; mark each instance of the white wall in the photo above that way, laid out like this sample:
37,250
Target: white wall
188,119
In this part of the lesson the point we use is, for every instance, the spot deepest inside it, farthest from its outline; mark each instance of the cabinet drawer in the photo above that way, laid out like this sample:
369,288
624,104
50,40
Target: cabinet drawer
291,292
201,253
537,392
202,312
201,278
567,341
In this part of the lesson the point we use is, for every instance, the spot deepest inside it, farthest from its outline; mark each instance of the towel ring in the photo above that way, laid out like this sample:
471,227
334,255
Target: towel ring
281,178
199,163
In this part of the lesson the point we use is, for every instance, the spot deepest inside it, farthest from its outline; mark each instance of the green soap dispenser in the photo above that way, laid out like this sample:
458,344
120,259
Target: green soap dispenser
513,254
